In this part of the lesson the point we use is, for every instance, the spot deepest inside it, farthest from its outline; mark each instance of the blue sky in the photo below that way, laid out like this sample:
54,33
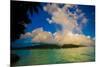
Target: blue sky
89,11
50,24
39,20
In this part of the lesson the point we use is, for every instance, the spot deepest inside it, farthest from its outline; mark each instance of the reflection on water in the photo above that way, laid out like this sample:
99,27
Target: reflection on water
52,56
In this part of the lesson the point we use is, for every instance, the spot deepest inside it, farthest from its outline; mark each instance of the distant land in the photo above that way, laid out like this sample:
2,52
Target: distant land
49,46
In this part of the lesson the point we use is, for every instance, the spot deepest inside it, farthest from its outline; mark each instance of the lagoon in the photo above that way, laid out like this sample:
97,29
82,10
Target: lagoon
55,56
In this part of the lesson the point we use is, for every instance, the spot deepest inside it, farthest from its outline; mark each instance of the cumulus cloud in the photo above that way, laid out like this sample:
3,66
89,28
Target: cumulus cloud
64,17
43,36
71,32
39,35
59,38
71,38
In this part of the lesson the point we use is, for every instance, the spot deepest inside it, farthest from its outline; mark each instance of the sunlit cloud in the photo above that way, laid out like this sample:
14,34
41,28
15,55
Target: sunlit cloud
71,38
71,32
62,16
59,38
43,36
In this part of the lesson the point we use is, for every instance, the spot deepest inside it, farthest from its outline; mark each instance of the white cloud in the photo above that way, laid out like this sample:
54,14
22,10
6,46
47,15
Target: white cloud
78,10
84,20
88,37
62,16
49,20
28,34
71,32
71,38
43,37
39,35
70,27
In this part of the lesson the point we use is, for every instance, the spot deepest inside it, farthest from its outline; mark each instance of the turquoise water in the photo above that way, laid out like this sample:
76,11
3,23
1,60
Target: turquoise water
53,56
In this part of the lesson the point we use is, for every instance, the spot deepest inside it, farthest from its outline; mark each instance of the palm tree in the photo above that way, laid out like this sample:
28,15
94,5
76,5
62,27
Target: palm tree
19,16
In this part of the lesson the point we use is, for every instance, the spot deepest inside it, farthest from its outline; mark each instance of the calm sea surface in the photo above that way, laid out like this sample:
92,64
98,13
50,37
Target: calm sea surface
52,56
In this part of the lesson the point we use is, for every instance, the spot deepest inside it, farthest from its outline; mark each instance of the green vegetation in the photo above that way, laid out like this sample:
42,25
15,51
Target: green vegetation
49,46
